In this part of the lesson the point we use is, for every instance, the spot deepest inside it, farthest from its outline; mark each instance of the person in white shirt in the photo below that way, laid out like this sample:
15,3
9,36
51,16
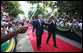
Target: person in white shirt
62,24
80,25
57,23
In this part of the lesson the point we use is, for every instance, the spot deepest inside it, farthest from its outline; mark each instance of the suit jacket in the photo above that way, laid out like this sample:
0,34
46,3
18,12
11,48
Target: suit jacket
52,26
39,29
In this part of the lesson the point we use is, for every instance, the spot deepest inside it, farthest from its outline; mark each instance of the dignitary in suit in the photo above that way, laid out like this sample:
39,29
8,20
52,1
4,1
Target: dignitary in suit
52,30
38,25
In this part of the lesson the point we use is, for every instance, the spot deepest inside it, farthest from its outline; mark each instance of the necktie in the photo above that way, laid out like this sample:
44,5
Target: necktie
53,21
40,22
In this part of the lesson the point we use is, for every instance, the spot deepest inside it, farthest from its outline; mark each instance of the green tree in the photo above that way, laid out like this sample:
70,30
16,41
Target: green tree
43,9
12,8
30,14
34,2
70,8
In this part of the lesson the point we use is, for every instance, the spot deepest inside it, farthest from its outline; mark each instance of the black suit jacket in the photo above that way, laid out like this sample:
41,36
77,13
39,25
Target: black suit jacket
51,27
39,29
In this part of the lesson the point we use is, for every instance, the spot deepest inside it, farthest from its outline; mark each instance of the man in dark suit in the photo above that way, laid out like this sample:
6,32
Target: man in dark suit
52,30
38,25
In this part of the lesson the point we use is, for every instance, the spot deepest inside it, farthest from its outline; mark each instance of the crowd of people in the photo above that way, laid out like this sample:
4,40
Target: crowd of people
9,26
73,23
69,23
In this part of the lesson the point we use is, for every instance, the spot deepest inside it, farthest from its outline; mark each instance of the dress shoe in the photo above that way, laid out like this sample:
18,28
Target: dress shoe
39,47
47,42
55,46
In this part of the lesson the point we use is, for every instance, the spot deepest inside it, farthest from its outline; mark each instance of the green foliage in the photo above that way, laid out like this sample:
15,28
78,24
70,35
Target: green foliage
42,9
34,2
12,8
70,8
30,14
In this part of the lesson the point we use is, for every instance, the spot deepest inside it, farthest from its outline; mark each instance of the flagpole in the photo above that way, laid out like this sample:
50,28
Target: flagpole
35,13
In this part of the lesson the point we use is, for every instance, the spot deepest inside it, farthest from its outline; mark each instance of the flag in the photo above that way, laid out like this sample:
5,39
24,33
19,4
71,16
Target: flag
35,12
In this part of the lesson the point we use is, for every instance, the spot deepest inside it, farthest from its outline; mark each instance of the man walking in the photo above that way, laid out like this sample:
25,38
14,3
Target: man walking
38,25
51,30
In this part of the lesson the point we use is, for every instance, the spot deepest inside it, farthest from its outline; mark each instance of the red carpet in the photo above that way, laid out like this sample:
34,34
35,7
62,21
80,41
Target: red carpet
62,45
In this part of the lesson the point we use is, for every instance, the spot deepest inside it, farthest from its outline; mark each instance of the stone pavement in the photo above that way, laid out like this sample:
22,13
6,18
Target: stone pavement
23,43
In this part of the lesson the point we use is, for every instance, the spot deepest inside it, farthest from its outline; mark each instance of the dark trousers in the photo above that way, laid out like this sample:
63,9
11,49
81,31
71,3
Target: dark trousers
33,29
39,40
54,35
22,23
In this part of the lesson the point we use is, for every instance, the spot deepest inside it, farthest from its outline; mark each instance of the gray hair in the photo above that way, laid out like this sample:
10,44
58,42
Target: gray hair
39,15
